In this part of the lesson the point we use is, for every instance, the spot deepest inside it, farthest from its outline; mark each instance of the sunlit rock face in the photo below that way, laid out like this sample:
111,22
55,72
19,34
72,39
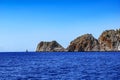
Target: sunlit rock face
109,40
52,46
85,42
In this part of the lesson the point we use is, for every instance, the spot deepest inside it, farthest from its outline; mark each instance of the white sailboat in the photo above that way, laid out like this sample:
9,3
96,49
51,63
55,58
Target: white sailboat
119,48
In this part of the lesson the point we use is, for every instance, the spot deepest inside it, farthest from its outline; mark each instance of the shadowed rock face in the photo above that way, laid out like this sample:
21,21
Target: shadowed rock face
84,43
109,40
49,46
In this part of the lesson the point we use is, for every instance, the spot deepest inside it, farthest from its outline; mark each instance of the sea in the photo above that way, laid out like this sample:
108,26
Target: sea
60,66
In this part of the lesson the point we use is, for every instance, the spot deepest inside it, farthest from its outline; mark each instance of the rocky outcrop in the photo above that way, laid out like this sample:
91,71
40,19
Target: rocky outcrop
84,43
109,40
52,46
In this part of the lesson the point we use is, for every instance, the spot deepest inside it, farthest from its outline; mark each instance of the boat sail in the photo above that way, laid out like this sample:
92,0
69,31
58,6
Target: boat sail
119,48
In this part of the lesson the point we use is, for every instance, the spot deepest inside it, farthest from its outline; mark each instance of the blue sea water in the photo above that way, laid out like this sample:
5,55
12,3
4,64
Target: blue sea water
60,66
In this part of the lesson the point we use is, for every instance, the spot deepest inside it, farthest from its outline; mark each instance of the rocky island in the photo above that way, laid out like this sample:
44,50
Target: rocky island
109,40
85,42
52,46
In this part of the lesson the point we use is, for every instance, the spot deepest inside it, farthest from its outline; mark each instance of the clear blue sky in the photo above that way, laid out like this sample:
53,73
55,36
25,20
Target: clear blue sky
24,23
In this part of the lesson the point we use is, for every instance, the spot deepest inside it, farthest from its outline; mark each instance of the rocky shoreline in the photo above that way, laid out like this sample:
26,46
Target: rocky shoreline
109,40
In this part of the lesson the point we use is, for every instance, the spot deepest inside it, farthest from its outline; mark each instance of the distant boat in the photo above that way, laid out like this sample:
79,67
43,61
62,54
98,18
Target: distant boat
26,50
119,48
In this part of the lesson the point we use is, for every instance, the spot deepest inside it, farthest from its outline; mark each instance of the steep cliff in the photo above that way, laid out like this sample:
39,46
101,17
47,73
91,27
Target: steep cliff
109,40
49,46
84,43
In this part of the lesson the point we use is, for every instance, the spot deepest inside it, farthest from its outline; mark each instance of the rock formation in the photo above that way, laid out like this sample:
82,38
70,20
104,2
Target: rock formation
52,46
109,40
84,43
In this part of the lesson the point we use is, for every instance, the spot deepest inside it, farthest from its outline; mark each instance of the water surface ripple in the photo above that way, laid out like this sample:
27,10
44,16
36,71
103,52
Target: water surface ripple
60,66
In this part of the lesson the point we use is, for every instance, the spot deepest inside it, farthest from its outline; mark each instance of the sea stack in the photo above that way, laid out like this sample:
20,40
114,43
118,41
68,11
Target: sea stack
52,46
109,40
85,42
